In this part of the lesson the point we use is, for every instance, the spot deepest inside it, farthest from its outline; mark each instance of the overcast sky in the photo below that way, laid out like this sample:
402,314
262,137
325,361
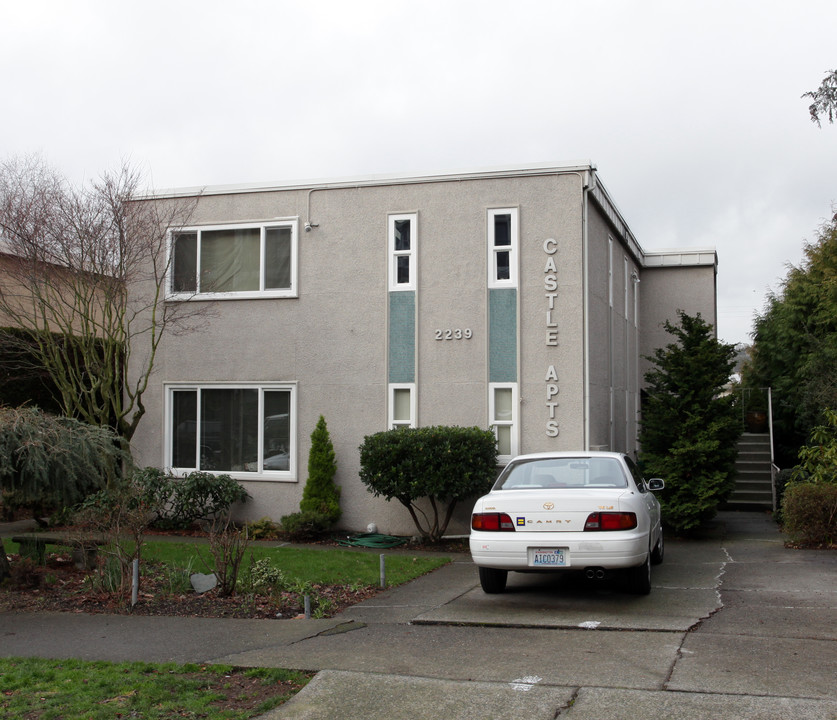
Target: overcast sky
691,110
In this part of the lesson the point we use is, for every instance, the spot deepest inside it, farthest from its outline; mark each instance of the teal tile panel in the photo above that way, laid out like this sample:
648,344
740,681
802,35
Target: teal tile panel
402,337
502,335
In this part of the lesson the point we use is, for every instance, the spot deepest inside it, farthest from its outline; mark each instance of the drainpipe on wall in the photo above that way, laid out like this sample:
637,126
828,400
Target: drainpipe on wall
585,189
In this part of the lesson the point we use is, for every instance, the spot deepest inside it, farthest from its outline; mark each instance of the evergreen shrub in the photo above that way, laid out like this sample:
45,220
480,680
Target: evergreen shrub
690,427
429,470
183,501
809,512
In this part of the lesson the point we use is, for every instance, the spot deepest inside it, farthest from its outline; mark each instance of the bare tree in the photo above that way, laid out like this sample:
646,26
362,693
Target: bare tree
824,99
84,273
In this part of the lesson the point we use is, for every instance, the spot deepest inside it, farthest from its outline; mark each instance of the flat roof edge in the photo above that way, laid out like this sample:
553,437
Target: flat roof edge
681,257
531,169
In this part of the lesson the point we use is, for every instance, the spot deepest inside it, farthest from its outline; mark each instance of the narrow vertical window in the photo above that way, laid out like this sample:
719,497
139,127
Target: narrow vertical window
503,418
502,248
402,406
184,431
184,276
402,243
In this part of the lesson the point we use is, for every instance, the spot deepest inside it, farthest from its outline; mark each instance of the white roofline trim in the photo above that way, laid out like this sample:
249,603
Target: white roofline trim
376,180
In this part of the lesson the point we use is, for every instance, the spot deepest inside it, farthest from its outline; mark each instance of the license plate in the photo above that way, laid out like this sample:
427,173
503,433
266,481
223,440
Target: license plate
549,557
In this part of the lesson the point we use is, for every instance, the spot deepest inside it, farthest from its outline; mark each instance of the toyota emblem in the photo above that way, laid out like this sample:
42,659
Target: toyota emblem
548,506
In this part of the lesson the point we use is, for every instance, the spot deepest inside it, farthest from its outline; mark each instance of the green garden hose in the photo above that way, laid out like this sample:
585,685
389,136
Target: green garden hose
373,540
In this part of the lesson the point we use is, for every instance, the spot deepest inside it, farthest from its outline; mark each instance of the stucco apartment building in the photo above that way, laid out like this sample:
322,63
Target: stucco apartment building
513,298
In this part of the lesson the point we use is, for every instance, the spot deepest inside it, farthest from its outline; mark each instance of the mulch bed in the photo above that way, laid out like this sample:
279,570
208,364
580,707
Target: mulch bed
59,586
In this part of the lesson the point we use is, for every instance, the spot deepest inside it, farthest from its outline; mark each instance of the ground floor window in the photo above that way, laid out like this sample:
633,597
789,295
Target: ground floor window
402,405
247,429
502,410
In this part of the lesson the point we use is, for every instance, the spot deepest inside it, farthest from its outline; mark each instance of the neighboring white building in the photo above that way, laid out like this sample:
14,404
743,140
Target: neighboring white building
514,298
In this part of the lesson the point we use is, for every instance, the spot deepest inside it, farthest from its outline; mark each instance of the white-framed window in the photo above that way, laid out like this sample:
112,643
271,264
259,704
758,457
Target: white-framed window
402,405
234,261
247,430
502,247
502,411
402,241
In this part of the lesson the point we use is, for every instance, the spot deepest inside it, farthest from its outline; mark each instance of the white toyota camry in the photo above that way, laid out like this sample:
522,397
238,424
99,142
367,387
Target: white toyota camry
564,511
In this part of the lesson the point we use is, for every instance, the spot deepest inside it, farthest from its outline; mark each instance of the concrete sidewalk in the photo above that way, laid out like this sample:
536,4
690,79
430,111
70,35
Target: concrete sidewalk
736,626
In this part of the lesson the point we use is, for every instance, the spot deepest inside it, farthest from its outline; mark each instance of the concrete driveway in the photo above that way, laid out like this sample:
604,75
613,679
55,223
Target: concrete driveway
736,626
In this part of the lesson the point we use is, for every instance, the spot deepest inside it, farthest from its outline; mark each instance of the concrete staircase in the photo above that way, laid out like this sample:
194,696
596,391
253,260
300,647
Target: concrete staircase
754,480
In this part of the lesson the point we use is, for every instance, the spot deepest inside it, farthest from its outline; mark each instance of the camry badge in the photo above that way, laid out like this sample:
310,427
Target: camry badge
548,506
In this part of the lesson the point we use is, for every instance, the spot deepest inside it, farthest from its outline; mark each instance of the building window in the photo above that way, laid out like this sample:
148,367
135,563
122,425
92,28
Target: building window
402,405
241,261
245,430
502,409
502,248
403,245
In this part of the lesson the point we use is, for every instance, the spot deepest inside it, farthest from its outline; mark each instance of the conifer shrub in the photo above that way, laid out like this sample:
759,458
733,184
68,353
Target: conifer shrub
690,427
429,470
321,494
319,508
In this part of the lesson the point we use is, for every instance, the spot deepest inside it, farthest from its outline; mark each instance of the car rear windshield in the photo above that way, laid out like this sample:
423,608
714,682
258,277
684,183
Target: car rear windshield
563,473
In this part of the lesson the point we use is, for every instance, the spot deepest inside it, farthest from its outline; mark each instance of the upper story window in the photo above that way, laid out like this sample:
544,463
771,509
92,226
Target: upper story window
403,244
502,247
252,260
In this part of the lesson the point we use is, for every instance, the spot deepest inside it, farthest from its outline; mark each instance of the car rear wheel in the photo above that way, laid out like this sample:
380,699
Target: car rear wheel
659,551
639,577
493,580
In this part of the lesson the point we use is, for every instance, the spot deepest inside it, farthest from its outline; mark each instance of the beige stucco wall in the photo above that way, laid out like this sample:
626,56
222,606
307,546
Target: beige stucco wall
331,340
664,291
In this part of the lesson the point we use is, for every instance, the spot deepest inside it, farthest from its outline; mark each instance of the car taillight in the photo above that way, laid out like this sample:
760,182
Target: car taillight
492,521
611,521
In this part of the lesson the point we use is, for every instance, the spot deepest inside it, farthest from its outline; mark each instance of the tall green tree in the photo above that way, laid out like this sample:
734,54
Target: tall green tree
794,348
689,426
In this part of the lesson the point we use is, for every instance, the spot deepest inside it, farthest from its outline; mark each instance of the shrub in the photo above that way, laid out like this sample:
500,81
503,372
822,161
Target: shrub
320,494
187,500
264,529
305,525
443,465
810,512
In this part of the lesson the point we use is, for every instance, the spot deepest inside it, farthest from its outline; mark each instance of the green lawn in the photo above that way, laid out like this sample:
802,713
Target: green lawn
329,566
72,689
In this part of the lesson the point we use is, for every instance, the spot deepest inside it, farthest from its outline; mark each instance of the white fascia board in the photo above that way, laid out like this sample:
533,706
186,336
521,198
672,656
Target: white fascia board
682,257
378,180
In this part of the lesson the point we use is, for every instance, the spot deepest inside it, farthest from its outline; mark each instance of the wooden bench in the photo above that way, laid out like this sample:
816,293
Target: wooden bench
83,547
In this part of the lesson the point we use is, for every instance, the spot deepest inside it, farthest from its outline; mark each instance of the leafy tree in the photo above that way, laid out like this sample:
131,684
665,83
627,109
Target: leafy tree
320,493
50,461
824,99
795,346
689,427
84,280
430,466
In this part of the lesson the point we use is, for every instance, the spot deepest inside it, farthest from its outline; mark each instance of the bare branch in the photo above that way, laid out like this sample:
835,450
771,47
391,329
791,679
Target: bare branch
84,273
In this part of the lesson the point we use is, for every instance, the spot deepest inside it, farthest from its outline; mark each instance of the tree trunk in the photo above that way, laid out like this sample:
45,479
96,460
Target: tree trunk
5,566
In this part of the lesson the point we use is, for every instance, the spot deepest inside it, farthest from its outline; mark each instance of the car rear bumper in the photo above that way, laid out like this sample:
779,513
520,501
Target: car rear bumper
510,551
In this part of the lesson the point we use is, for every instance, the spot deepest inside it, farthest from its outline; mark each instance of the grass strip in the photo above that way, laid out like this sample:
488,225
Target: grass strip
327,566
42,689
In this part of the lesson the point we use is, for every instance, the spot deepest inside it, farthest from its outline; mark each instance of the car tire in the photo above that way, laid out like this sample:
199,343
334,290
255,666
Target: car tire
639,577
659,551
493,580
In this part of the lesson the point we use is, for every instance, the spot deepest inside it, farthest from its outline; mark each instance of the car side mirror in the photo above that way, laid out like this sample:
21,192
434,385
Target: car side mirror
656,484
